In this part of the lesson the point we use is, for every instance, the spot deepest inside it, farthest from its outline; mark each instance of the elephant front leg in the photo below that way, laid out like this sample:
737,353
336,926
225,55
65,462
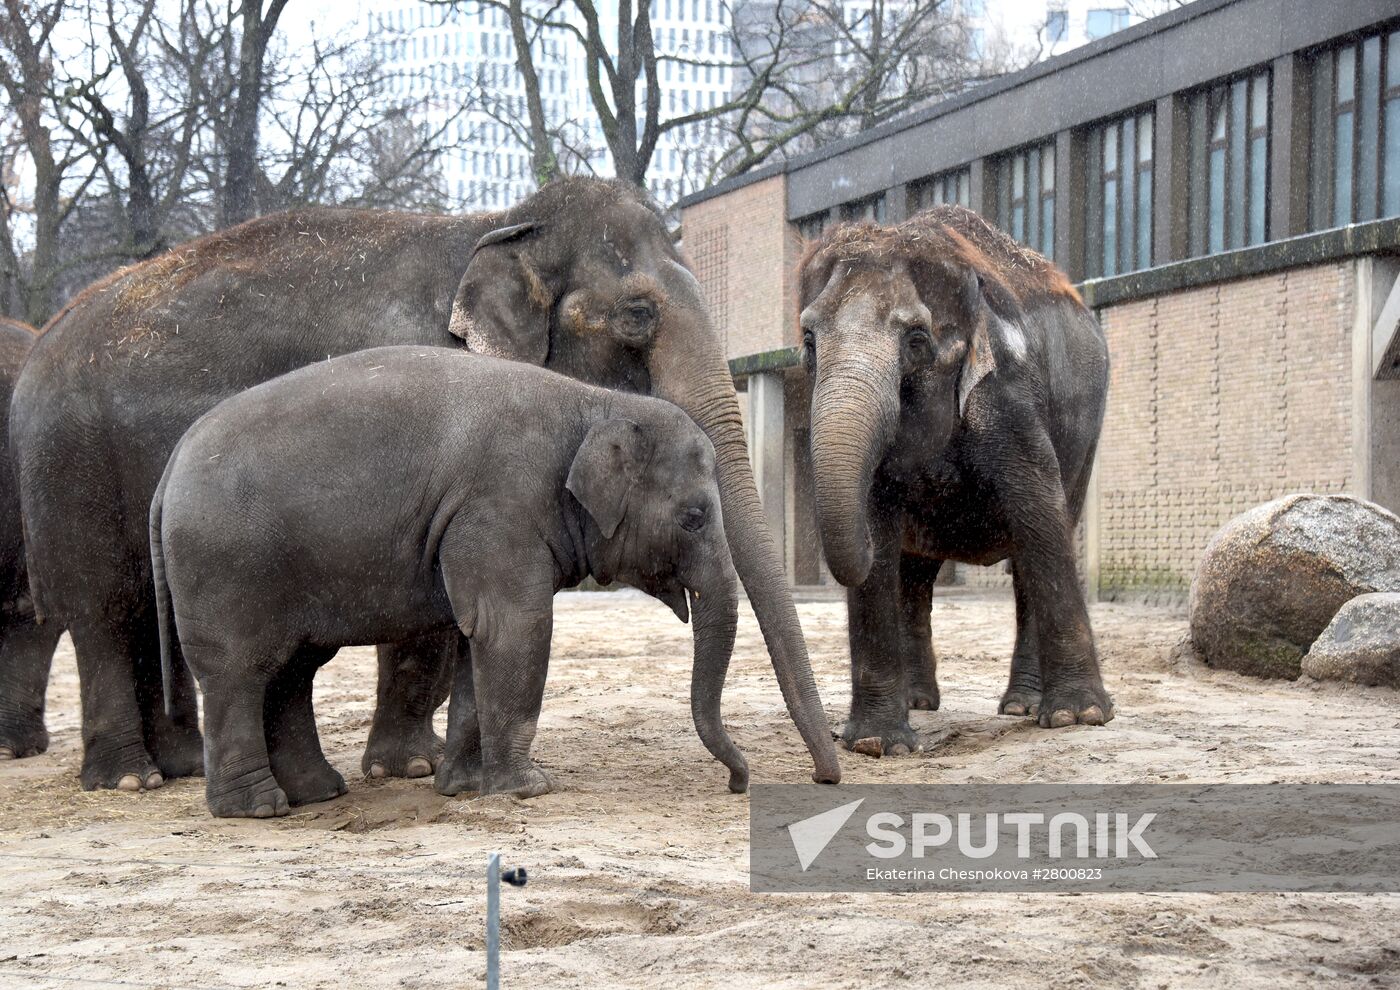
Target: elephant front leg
916,578
509,663
879,719
413,680
460,769
1022,695
1072,689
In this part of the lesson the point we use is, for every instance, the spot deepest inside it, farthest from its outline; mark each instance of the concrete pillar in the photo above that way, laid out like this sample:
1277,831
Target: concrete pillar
1363,320
1171,168
1288,152
766,452
897,204
1069,204
981,192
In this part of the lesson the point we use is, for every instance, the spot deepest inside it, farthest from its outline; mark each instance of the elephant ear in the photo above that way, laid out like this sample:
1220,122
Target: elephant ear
979,361
502,305
605,468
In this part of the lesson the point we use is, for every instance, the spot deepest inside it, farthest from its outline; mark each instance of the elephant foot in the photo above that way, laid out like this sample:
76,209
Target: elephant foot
402,751
178,751
251,795
1020,701
523,780
922,697
128,768
1078,702
313,784
458,775
22,736
880,737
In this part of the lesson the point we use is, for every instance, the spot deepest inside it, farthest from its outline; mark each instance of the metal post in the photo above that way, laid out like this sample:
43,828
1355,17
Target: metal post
493,921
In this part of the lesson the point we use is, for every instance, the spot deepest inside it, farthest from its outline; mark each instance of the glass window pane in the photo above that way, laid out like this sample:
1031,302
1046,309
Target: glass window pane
1390,203
1144,219
1346,75
1320,151
964,187
1259,102
1236,166
1392,60
1126,231
1144,129
1047,226
1110,148
1216,223
1018,176
1368,136
1110,226
1341,171
1047,168
1018,221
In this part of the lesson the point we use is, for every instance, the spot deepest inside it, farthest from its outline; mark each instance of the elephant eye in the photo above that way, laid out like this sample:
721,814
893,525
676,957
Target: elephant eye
809,349
693,519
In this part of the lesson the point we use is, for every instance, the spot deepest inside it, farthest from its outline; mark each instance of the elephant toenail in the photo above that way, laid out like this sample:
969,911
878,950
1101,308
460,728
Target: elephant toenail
129,782
899,749
1061,718
263,811
6,753
1092,715
154,780
376,770
1015,708
419,766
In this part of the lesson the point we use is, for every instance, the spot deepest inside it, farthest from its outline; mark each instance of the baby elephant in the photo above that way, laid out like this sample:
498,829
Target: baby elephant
394,492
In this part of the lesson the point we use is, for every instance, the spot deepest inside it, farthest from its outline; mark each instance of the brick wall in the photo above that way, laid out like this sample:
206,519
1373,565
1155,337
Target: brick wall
744,252
1222,397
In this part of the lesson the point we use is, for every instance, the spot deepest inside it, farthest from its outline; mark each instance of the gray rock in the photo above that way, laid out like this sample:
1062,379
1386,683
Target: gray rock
1361,644
1272,578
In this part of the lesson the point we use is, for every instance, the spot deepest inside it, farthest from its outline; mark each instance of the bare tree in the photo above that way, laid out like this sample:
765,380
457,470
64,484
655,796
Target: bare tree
803,71
258,22
61,169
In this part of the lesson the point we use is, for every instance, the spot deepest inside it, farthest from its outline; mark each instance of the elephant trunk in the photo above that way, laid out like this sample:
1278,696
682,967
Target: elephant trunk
688,368
855,412
714,614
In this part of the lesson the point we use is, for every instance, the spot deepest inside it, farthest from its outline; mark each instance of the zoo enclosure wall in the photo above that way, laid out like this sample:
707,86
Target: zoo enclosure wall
1252,345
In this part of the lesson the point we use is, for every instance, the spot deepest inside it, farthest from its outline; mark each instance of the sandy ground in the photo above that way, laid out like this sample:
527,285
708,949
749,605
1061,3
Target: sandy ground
638,861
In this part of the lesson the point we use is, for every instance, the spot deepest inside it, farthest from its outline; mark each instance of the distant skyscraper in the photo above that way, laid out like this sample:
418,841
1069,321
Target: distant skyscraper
439,60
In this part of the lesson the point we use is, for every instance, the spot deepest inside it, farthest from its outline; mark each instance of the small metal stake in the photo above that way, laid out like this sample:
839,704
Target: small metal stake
516,878
493,921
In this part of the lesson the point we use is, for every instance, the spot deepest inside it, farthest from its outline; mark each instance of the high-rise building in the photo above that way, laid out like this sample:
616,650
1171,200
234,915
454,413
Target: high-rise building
456,68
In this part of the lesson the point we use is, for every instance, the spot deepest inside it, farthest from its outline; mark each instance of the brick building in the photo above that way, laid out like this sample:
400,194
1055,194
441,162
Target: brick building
1223,183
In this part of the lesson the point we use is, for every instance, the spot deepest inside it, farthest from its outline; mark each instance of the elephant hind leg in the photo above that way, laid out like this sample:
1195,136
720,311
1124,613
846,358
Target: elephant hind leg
413,679
916,578
238,778
289,723
172,738
26,653
1022,696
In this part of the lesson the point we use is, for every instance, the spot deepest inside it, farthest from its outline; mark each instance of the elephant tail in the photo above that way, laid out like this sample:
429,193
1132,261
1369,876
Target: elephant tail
165,613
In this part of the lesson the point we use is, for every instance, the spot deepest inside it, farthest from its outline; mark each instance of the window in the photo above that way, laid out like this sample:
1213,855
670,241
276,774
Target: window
1026,196
946,187
869,208
1102,21
1229,165
1056,26
811,227
1356,132
1118,227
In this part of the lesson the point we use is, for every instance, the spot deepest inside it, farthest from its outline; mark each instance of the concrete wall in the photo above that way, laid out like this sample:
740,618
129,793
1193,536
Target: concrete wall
745,253
1221,397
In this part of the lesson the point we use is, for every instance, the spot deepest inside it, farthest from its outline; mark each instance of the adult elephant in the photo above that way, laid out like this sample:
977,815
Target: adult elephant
26,647
582,277
958,394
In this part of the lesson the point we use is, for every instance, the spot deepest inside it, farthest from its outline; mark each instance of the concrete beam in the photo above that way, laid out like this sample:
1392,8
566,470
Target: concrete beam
1385,332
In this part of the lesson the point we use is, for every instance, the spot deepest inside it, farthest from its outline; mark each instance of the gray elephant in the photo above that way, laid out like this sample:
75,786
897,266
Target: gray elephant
402,491
26,647
582,278
958,393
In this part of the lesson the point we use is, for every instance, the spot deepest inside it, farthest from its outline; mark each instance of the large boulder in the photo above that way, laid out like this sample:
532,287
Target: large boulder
1361,644
1272,578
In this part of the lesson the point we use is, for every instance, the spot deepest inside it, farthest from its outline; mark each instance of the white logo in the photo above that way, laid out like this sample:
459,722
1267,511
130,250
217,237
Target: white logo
811,835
